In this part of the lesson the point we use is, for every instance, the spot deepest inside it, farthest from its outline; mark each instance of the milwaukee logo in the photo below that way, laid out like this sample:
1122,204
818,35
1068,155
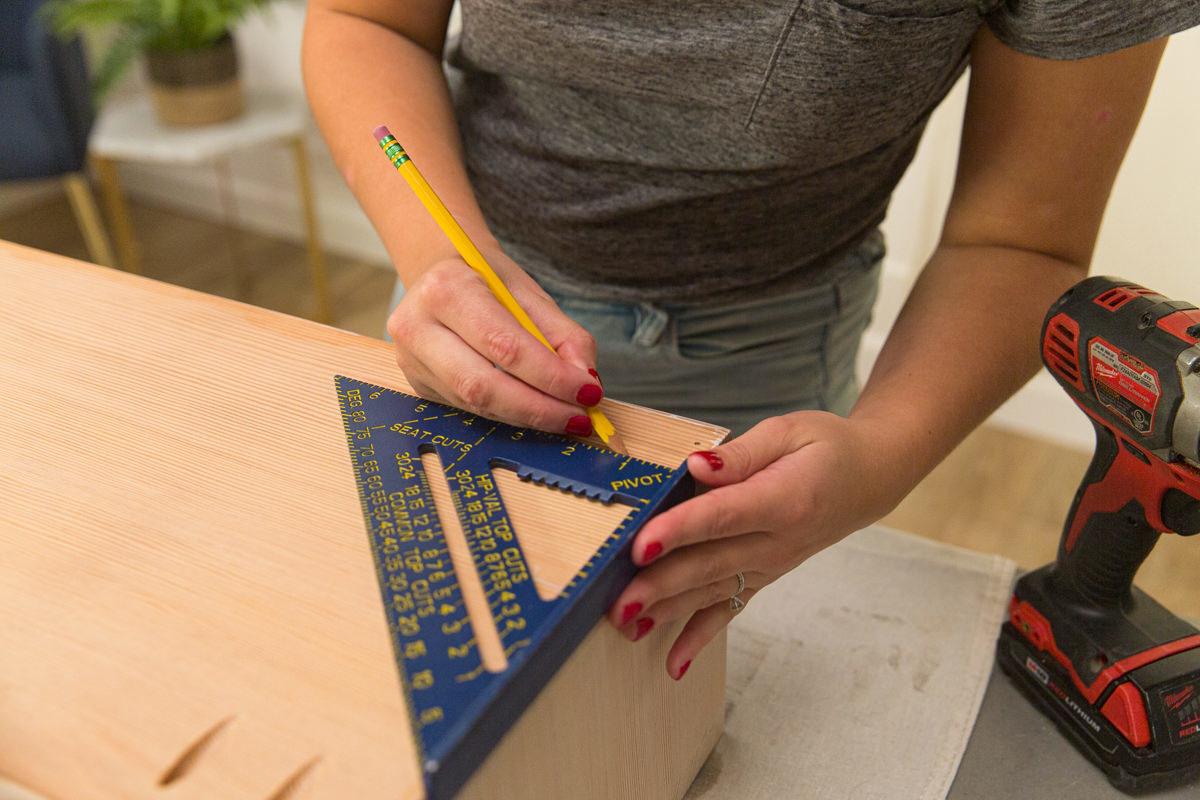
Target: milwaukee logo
1174,701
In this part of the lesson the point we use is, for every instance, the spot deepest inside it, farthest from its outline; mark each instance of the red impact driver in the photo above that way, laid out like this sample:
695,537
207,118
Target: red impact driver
1117,672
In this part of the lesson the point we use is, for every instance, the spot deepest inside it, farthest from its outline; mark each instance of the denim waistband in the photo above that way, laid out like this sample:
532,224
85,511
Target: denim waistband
844,285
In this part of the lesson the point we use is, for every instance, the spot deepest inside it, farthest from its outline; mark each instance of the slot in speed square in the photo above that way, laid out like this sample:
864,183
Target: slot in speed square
459,710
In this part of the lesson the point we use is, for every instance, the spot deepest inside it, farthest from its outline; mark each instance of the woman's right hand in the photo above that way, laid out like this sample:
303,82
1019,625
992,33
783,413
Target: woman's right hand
451,333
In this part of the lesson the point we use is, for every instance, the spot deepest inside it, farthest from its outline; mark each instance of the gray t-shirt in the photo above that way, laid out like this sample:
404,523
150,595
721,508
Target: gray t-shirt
671,151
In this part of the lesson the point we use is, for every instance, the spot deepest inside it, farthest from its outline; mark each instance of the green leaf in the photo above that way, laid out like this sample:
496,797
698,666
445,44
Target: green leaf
114,64
169,14
206,15
71,17
140,24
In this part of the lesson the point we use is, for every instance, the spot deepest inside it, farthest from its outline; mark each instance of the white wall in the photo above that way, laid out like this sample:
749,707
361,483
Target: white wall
1148,234
263,177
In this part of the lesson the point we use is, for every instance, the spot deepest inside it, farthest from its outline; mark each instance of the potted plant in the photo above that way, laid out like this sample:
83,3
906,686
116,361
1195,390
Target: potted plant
187,45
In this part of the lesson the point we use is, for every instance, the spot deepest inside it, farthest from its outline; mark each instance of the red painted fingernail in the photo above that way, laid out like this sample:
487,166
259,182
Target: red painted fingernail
653,551
579,425
643,627
596,375
714,460
683,670
589,395
631,611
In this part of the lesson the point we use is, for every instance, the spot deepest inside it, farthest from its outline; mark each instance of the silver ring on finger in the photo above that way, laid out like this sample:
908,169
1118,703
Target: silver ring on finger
736,603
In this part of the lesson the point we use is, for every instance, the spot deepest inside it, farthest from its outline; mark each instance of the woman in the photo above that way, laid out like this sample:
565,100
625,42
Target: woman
685,199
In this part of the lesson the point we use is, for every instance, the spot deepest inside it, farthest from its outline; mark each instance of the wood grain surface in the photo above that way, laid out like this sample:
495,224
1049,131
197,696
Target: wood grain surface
188,605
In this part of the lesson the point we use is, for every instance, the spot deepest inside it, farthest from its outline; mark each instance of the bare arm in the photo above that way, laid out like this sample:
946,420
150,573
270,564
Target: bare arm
373,62
367,64
1042,142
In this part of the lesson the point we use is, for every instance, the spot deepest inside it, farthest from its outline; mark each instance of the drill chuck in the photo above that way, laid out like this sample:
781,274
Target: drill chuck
1186,435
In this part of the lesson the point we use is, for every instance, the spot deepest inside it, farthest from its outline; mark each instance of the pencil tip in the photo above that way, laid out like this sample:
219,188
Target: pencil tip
617,444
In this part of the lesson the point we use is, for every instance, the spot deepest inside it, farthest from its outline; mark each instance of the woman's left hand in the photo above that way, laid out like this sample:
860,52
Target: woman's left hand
787,488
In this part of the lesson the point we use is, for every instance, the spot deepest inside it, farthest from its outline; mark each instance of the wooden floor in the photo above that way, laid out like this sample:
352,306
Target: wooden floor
998,492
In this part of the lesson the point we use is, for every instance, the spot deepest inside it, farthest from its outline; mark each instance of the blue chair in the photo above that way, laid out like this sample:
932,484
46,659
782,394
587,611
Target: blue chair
46,114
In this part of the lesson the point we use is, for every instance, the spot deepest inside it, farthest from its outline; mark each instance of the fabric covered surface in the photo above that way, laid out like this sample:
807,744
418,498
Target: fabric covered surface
859,674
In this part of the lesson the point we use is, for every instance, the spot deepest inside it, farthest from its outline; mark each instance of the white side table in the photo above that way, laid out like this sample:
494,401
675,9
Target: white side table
129,131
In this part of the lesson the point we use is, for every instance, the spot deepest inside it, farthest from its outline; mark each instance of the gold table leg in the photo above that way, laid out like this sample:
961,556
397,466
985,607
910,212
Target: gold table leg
118,213
83,205
233,233
316,257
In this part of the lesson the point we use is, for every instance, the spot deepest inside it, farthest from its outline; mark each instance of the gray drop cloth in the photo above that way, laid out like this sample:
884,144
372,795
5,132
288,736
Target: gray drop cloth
859,674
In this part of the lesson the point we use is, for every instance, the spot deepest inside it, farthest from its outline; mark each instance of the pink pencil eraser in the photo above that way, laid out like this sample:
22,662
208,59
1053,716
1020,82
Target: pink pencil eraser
382,132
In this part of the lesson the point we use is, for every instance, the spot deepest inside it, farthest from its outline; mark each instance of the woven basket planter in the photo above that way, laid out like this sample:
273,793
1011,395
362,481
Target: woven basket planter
196,87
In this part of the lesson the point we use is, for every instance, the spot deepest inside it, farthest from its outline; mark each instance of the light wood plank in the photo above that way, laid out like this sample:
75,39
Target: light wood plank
182,558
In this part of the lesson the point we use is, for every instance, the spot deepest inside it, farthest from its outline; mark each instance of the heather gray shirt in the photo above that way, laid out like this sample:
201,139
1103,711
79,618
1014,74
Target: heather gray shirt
694,150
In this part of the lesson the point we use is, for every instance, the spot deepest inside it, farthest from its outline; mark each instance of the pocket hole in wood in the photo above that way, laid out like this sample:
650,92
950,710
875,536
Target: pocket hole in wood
292,784
188,758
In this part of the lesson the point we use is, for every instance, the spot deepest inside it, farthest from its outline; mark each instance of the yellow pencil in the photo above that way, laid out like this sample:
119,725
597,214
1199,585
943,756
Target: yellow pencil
475,260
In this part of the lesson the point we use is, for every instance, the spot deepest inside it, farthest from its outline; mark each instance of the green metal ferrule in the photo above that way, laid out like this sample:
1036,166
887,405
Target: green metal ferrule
393,150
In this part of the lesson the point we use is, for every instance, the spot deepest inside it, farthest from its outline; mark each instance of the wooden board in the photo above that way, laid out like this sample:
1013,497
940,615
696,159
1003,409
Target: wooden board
188,602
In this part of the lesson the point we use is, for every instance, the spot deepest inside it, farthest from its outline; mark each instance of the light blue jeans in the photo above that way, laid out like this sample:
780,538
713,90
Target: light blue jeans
734,364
